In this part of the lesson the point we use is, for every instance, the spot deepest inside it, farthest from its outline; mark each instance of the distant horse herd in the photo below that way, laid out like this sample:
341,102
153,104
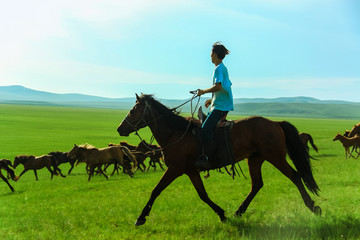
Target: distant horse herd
123,156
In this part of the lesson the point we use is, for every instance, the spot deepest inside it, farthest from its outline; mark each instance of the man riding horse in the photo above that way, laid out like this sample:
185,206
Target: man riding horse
221,103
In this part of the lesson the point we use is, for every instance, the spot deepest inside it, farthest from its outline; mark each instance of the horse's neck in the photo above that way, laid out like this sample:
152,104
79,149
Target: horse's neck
85,152
343,139
161,130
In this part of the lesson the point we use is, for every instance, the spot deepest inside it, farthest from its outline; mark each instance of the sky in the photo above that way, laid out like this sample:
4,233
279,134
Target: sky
116,48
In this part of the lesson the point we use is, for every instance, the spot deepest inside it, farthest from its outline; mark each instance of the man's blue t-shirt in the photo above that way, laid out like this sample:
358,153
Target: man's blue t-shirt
223,99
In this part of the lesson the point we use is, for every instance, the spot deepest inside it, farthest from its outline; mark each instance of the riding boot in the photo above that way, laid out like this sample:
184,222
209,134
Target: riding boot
207,152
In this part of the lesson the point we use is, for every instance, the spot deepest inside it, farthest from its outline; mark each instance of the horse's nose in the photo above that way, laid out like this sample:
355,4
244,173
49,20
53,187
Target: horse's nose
122,131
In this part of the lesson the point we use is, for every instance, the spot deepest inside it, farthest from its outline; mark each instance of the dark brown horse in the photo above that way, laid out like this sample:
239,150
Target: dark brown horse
5,164
306,138
255,138
62,157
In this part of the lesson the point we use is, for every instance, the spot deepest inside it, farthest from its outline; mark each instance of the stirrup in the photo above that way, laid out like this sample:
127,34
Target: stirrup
203,162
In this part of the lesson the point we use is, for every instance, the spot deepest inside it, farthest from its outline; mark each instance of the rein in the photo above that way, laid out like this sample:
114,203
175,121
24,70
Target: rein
161,115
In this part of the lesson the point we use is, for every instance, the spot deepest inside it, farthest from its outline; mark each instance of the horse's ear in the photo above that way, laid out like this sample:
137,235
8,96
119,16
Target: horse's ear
137,97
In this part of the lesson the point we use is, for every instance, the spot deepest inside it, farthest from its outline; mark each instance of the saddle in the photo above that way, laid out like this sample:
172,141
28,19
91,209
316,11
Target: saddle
223,154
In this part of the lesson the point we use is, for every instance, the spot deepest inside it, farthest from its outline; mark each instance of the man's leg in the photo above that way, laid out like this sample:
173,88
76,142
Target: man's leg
207,140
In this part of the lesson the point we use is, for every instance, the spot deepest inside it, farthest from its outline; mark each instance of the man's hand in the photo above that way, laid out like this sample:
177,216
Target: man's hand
200,92
208,102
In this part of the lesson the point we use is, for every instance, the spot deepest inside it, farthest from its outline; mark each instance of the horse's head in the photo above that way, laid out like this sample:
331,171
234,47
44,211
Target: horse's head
6,162
22,159
137,118
337,137
74,152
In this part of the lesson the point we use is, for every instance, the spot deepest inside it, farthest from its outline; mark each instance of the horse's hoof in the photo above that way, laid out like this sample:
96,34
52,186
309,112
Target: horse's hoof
317,210
140,222
224,219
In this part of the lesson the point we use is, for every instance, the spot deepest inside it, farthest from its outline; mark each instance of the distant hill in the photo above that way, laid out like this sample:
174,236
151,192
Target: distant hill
283,106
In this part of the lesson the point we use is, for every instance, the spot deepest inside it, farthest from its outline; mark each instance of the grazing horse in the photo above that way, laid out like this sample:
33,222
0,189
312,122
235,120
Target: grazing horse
6,164
255,138
305,138
348,142
94,157
34,163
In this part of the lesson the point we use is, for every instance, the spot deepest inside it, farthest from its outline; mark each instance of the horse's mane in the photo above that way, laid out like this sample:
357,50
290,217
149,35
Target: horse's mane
24,158
87,146
174,119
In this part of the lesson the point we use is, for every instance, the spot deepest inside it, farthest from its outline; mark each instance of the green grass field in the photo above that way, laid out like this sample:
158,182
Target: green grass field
73,208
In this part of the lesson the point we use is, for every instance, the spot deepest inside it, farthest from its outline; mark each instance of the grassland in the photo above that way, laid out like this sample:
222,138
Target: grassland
73,208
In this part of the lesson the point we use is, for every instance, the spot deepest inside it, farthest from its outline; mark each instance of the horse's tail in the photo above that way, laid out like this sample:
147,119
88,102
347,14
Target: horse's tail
130,156
312,144
299,155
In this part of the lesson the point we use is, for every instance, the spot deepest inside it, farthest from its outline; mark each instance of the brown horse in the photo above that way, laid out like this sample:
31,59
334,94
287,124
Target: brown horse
151,150
305,138
34,163
154,153
5,164
255,138
95,158
355,130
348,142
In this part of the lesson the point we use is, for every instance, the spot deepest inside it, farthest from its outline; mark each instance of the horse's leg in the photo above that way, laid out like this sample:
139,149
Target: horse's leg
51,171
143,167
36,175
118,168
58,170
5,180
115,166
256,183
161,165
24,171
72,166
91,170
169,176
199,186
103,173
147,169
294,176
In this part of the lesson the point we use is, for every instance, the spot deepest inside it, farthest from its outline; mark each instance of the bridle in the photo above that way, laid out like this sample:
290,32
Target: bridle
142,122
137,126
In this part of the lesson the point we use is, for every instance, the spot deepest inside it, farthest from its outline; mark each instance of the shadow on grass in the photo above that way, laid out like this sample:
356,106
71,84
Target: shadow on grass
12,193
344,227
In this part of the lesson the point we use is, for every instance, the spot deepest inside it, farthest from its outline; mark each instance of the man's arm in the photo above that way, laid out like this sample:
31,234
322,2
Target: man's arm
216,87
